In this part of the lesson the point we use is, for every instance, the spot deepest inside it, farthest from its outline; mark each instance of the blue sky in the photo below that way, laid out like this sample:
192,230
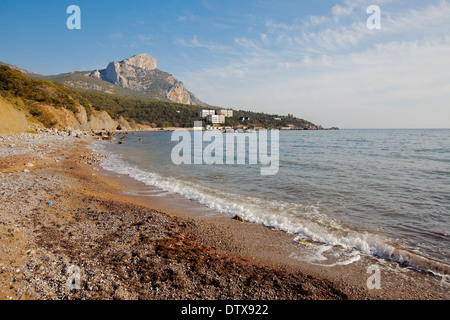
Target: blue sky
315,59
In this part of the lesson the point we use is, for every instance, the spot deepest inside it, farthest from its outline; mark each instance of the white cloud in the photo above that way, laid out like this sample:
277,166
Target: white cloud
339,10
432,18
366,89
317,20
195,43
187,16
336,73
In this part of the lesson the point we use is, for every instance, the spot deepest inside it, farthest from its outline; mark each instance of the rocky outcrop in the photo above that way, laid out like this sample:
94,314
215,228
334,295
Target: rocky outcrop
140,73
129,73
14,120
98,120
178,93
101,120
142,61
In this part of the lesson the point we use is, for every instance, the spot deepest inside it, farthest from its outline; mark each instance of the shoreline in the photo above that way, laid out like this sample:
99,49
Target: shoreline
142,247
266,246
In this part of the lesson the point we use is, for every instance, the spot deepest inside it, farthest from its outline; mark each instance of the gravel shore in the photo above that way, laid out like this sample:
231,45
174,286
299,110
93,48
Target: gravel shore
67,232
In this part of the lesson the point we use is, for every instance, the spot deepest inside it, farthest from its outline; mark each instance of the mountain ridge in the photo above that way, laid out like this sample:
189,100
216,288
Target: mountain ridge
26,72
82,96
134,77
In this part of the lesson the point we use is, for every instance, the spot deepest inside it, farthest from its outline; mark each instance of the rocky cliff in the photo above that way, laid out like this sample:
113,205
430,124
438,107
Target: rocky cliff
15,120
12,119
140,73
97,120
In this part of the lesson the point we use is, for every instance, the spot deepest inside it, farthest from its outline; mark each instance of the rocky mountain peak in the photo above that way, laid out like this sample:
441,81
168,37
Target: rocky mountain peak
143,61
140,73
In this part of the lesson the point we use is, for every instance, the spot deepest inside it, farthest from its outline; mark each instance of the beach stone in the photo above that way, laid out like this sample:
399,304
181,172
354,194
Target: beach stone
238,218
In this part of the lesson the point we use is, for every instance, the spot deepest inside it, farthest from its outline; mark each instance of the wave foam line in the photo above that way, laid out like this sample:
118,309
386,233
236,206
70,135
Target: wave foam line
305,221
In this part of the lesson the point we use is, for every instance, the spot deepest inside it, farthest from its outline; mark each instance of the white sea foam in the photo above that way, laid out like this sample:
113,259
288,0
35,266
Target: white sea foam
308,222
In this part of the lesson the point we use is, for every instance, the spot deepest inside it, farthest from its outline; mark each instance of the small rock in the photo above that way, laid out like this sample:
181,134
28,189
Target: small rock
238,218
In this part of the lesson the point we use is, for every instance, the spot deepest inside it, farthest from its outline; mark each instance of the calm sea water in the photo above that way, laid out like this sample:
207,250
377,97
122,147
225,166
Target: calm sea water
379,192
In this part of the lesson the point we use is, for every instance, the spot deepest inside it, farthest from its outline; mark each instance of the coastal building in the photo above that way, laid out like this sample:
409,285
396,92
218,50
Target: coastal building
205,113
215,119
225,112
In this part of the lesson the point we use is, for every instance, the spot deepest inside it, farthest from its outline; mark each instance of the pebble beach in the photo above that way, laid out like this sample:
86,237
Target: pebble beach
59,212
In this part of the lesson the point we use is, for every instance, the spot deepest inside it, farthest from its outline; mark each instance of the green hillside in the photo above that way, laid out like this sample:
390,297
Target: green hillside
28,93
79,80
270,120
147,112
14,84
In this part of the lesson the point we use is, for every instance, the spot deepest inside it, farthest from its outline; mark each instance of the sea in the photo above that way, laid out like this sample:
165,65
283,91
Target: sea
383,193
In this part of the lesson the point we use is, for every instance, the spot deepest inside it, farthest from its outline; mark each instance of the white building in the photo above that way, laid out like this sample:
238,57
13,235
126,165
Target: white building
215,119
204,113
226,113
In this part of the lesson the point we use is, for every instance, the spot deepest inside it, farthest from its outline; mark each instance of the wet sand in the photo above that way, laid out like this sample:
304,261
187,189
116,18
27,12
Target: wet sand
131,242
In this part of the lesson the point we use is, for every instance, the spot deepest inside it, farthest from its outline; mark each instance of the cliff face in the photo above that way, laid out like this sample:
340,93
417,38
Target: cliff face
132,73
15,120
12,119
98,120
140,73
